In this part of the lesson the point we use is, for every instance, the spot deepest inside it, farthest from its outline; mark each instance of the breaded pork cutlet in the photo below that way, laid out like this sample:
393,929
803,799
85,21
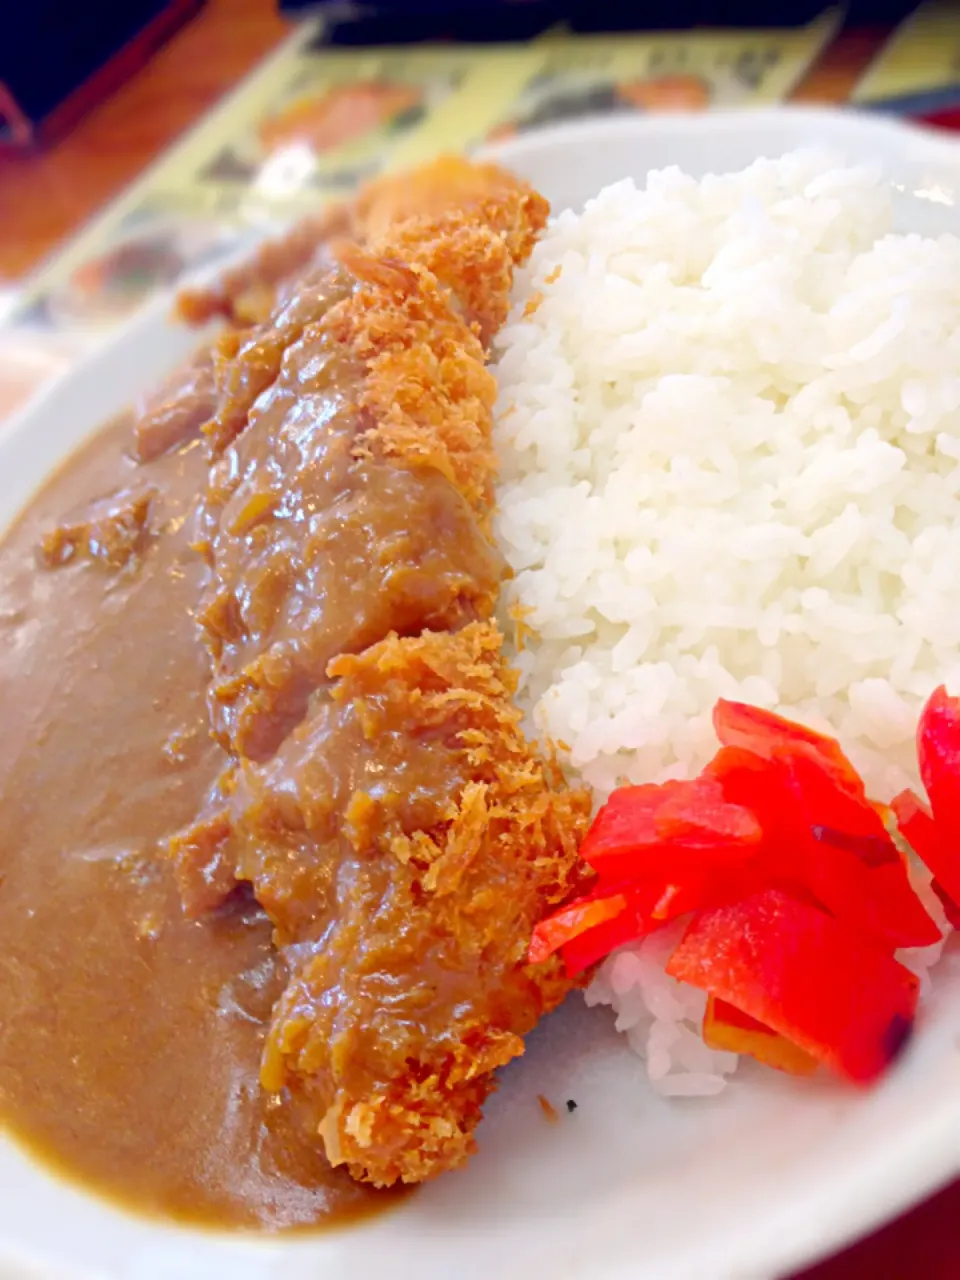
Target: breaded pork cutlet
380,797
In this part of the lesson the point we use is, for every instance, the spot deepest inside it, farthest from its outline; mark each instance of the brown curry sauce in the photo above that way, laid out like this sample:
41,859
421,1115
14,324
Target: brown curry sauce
261,669
130,1037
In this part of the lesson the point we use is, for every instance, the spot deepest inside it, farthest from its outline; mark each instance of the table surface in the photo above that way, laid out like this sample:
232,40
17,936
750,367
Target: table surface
45,198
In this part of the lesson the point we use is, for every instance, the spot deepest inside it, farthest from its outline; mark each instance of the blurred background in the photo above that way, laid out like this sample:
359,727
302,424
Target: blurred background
142,139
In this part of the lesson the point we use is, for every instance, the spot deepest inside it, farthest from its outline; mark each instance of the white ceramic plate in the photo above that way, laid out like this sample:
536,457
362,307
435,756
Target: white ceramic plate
751,1184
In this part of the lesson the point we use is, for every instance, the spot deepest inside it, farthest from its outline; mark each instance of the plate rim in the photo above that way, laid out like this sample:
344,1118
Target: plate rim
847,119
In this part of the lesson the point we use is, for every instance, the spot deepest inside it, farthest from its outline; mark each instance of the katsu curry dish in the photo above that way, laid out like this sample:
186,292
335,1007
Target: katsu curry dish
499,607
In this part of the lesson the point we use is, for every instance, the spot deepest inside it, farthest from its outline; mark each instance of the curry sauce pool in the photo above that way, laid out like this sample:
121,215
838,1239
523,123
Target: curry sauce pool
130,1037
273,841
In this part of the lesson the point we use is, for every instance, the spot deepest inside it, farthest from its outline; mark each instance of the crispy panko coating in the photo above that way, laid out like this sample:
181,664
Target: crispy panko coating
427,397
380,798
417,987
427,218
448,184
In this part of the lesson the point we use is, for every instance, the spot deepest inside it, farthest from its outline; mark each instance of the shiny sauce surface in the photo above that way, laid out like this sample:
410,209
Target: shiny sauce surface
130,1037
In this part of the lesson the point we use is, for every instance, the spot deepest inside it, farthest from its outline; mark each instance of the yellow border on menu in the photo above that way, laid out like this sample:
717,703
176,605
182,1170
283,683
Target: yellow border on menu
922,55
498,78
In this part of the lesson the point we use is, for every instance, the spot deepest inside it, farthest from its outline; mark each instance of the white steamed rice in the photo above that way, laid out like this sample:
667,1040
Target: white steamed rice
729,435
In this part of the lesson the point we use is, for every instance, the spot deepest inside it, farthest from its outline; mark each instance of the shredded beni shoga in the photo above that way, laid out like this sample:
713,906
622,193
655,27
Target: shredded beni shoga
801,894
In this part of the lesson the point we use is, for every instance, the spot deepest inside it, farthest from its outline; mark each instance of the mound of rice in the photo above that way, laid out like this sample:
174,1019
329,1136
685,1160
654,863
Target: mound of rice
729,434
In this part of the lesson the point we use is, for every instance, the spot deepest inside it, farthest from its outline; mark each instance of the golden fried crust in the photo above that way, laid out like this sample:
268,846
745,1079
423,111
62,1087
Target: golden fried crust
450,183
449,233
427,395
427,391
393,1028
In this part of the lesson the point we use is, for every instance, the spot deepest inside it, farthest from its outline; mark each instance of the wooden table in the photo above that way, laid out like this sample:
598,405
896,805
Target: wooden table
45,198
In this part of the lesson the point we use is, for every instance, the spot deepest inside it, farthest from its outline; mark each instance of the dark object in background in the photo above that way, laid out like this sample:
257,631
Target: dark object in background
59,57
402,21
408,21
